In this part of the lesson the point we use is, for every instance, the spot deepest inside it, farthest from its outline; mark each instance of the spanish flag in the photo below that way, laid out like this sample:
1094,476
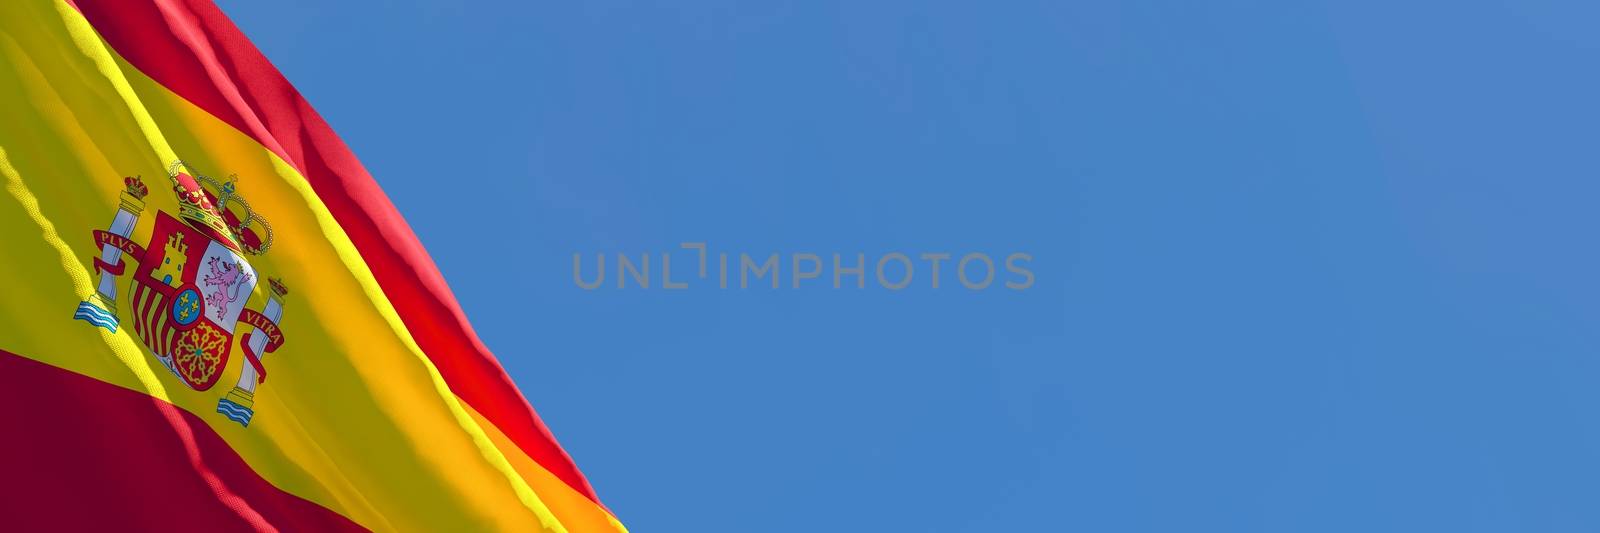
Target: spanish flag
211,318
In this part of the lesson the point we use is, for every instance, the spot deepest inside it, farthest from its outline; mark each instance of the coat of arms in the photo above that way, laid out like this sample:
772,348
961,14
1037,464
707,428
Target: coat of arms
188,293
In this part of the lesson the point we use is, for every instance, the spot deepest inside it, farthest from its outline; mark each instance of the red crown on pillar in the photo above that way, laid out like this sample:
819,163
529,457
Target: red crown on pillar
135,187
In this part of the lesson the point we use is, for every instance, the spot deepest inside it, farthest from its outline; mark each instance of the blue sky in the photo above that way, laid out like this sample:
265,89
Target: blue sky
1301,266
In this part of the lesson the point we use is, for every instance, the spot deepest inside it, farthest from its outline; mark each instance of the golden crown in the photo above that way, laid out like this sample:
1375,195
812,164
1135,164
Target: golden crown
216,207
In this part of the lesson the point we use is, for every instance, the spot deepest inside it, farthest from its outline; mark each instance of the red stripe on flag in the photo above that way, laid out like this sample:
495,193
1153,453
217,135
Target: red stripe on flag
81,454
190,47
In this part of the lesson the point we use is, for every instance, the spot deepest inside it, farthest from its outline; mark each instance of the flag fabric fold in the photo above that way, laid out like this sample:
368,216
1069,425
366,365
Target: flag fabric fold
213,318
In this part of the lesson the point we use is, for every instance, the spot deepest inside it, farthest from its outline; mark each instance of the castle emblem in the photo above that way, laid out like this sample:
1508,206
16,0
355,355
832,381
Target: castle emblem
188,294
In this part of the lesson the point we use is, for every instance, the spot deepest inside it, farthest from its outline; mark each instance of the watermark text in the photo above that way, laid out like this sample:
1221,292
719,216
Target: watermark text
893,270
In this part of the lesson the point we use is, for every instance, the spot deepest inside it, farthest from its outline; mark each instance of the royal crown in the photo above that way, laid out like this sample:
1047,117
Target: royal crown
134,187
216,207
